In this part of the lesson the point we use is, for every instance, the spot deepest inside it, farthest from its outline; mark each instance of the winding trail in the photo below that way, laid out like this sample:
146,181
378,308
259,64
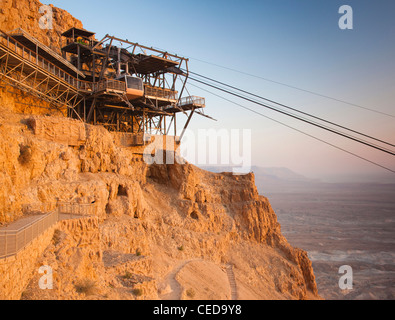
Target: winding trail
176,289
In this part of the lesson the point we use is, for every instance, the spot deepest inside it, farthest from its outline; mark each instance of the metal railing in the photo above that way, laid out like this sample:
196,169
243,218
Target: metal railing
192,100
160,93
31,56
109,84
13,241
39,207
76,209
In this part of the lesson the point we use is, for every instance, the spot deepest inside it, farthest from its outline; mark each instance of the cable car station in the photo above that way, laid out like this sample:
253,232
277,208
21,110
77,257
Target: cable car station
123,86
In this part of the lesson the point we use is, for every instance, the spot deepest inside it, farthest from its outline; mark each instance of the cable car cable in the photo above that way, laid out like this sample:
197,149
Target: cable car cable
300,131
302,112
296,117
297,88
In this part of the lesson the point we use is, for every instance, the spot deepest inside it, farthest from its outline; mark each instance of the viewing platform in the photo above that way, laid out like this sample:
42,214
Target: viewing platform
164,96
188,103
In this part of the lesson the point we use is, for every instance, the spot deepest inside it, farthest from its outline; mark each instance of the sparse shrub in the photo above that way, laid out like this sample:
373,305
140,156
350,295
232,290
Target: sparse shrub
56,237
128,275
138,252
25,154
30,123
24,295
181,248
191,293
87,287
137,292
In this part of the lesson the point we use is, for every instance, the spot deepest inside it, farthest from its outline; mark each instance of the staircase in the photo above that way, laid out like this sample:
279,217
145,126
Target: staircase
232,281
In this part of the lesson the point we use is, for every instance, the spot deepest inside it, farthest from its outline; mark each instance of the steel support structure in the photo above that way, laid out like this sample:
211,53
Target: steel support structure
103,100
26,71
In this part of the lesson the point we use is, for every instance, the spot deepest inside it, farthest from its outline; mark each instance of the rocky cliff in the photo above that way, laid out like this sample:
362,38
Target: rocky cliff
26,14
161,231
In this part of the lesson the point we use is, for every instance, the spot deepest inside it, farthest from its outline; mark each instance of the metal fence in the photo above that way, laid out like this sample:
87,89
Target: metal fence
192,100
110,85
160,93
12,241
75,210
39,207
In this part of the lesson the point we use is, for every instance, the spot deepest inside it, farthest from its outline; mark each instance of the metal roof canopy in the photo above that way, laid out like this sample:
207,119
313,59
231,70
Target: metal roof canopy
133,45
44,51
151,64
77,32
73,48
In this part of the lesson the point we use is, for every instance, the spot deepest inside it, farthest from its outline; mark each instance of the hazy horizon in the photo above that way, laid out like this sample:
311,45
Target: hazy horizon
342,179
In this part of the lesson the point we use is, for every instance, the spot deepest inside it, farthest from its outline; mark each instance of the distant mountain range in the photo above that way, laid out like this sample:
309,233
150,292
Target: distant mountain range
281,173
275,172
273,179
283,180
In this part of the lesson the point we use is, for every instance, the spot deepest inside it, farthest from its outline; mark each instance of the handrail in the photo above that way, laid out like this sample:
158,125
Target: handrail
69,41
29,224
110,84
48,49
13,241
194,100
160,92
78,209
45,64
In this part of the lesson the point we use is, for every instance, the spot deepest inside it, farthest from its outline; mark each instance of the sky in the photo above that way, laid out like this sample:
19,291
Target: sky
297,43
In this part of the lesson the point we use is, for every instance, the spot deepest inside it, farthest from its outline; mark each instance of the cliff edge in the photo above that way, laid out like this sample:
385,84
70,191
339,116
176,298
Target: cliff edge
156,227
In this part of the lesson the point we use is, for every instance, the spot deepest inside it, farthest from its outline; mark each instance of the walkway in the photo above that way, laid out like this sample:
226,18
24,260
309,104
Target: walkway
232,282
17,235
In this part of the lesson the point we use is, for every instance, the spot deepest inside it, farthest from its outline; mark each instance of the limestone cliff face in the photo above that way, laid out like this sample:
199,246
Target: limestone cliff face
151,220
155,225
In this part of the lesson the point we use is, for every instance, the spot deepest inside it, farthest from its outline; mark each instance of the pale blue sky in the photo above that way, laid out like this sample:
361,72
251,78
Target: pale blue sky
293,42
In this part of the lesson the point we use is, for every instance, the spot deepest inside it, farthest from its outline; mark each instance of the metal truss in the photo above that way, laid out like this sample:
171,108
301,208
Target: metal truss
25,70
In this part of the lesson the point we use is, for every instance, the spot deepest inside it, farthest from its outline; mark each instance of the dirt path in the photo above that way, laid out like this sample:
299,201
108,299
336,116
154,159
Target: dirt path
176,289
